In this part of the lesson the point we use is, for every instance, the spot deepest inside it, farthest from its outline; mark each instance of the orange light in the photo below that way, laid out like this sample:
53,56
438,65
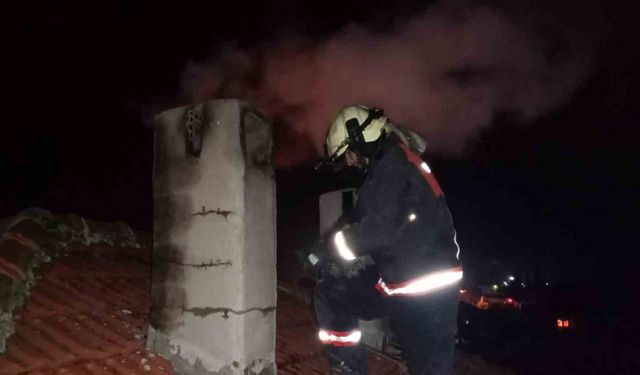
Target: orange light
563,323
482,303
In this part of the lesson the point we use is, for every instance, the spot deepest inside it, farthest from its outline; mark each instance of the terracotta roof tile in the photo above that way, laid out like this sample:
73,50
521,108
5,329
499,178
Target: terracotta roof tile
87,315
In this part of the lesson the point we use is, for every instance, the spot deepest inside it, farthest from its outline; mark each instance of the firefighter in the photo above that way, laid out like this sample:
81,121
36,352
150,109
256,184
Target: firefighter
397,257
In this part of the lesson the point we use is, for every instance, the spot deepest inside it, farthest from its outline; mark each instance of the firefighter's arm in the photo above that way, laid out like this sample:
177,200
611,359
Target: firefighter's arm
380,224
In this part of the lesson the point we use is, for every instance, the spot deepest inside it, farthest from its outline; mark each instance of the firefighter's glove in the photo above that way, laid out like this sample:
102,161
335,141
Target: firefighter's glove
339,268
352,268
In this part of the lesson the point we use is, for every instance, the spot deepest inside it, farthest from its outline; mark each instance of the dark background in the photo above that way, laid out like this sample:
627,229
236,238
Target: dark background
558,196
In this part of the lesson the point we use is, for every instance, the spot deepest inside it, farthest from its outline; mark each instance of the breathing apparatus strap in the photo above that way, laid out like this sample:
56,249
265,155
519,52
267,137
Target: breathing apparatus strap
374,113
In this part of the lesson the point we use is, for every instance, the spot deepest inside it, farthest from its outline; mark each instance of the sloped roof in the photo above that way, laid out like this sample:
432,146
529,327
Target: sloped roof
86,315
86,312
89,315
86,309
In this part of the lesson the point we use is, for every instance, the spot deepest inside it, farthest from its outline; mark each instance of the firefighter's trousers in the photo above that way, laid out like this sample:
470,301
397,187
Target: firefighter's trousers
425,325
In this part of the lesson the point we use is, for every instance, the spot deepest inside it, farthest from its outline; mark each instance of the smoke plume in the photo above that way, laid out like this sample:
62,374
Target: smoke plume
443,73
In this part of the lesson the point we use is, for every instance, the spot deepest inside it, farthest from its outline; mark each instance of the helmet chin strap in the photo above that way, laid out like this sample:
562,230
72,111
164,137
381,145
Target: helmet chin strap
365,161
328,162
357,160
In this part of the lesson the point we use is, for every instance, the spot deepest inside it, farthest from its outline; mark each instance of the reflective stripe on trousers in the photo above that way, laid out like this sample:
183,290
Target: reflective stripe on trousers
340,338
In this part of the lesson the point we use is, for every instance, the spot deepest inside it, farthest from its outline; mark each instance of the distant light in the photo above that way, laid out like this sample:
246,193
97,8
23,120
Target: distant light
505,283
547,284
508,300
563,323
462,291
523,285
495,286
412,217
511,278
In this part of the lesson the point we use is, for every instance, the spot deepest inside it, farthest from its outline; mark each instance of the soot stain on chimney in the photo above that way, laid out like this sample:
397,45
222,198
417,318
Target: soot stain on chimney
168,294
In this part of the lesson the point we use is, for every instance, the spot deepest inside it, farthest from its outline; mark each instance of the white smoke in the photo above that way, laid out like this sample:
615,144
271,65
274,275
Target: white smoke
444,73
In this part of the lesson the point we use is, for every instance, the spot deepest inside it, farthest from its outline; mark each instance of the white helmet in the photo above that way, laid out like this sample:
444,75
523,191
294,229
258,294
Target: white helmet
368,126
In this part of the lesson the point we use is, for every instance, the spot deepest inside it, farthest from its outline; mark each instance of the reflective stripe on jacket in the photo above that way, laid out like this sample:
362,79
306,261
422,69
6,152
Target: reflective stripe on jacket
422,285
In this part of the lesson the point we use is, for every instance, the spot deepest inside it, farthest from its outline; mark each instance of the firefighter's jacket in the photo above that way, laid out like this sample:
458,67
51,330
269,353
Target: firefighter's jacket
401,218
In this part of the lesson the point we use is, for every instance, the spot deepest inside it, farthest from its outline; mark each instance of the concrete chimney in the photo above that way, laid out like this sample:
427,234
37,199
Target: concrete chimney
214,265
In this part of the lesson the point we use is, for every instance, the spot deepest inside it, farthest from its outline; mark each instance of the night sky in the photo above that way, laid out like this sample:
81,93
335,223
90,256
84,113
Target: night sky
559,193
